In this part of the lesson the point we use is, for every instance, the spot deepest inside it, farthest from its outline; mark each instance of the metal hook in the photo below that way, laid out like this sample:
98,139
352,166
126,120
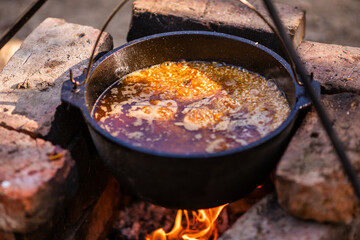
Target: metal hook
76,83
91,60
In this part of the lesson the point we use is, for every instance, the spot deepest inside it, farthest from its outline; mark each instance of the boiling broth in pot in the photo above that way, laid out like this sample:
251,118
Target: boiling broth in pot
191,107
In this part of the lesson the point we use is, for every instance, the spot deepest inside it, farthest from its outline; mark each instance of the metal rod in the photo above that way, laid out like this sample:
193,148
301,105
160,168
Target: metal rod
91,60
293,67
29,12
339,149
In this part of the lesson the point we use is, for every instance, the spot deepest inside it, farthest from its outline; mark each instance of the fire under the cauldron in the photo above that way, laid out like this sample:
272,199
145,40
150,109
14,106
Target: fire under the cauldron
197,225
139,220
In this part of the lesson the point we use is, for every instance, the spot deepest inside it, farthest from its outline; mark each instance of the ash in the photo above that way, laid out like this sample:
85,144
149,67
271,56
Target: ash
140,219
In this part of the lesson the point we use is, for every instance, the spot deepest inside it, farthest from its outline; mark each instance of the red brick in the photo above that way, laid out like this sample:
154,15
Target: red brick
30,83
30,108
36,177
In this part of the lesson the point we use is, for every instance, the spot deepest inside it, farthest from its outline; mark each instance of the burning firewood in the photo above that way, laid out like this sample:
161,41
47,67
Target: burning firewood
138,219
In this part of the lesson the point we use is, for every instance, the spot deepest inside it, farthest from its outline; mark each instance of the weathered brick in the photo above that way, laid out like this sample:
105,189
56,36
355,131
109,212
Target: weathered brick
267,221
310,181
227,16
32,79
336,67
36,177
30,107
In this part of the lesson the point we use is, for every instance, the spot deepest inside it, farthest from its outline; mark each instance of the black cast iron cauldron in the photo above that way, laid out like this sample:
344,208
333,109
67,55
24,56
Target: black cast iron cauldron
179,180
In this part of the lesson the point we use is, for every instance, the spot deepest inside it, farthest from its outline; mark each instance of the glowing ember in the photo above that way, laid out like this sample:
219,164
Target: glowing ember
200,225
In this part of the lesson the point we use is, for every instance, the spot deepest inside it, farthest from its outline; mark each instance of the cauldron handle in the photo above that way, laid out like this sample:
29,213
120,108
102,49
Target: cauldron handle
72,94
91,60
304,101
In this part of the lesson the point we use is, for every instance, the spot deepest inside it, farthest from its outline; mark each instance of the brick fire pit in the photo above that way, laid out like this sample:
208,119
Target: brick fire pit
52,183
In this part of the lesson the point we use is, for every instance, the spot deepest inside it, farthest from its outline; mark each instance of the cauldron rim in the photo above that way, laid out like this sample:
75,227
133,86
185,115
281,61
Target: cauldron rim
190,181
293,113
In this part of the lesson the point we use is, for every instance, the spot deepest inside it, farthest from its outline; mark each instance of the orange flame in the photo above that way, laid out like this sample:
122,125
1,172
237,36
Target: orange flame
199,226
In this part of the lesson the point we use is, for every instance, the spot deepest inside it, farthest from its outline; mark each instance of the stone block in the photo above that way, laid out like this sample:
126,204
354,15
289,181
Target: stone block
36,178
310,181
31,110
30,83
267,221
226,16
336,67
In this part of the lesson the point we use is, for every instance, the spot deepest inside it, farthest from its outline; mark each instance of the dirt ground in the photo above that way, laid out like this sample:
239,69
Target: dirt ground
329,21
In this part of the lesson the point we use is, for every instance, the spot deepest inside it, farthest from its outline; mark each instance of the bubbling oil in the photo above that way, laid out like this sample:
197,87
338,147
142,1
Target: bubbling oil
191,107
